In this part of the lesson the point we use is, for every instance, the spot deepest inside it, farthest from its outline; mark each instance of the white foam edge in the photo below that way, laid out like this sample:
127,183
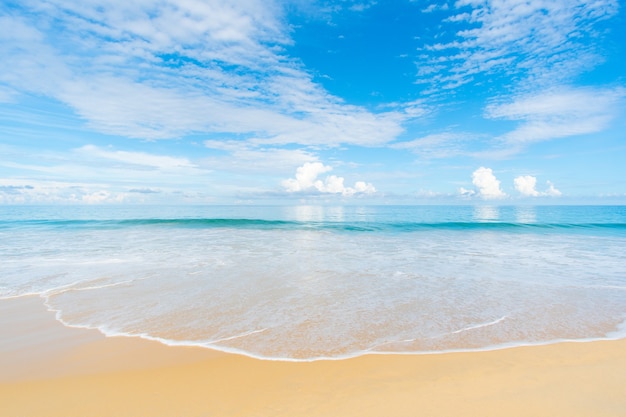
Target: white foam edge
618,334
73,286
465,329
479,326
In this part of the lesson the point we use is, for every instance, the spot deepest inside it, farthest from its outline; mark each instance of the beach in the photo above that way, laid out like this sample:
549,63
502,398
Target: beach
332,208
52,370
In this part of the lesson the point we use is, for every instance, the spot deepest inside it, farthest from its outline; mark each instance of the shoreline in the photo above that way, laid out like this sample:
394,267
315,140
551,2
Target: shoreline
53,370
615,335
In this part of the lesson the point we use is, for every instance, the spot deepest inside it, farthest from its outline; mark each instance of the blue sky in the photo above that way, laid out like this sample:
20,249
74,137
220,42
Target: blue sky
304,101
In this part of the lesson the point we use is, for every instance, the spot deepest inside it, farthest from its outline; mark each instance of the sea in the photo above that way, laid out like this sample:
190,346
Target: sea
304,283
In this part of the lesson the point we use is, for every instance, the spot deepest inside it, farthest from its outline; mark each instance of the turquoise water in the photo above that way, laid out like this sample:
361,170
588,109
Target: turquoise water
311,282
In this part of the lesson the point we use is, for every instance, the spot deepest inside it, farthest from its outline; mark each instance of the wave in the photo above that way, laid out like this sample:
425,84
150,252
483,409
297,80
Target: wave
340,226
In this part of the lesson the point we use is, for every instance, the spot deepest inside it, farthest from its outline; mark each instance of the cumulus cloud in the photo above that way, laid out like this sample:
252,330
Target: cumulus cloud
306,180
361,187
306,177
551,191
487,185
466,193
526,185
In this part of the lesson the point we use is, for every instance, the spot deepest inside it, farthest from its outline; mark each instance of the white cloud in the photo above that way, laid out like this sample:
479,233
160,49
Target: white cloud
6,95
437,145
306,177
160,162
434,6
246,157
564,102
28,64
46,191
47,176
551,191
123,107
359,7
361,187
526,185
306,180
540,42
558,113
157,70
466,193
17,191
102,196
488,186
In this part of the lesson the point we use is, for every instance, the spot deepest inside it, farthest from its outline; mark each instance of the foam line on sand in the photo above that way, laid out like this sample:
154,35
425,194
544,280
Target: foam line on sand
47,369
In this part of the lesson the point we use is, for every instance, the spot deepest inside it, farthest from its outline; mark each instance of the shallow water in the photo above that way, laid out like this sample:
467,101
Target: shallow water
303,283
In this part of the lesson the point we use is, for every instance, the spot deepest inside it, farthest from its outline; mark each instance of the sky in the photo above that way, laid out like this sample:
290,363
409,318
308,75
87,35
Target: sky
312,102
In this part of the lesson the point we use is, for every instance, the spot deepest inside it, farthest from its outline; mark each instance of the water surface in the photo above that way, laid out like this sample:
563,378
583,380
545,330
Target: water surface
311,282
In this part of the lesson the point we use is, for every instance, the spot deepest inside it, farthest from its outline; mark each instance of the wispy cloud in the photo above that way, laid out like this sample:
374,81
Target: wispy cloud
244,157
106,174
138,159
435,6
538,42
45,191
7,95
361,6
16,191
241,112
557,113
437,145
163,70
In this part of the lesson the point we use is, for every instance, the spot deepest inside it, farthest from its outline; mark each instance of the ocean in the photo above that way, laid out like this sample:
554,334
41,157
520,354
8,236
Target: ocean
301,283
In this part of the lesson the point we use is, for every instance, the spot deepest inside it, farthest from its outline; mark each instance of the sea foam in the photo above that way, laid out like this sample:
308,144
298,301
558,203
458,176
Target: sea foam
312,283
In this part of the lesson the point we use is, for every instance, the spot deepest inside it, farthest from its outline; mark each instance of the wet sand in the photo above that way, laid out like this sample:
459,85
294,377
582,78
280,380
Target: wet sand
47,369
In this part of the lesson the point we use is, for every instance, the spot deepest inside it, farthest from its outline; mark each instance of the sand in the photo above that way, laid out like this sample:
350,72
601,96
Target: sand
47,369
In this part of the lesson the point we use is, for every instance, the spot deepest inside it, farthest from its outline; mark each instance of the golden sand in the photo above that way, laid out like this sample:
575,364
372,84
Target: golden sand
47,369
